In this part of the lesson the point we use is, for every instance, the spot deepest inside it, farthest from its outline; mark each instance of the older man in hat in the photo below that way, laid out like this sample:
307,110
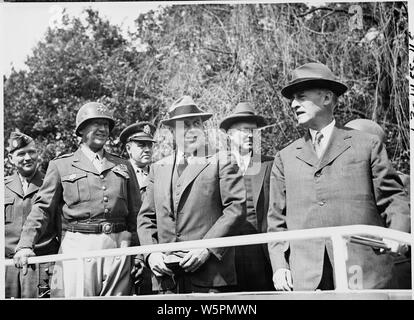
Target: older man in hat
98,198
254,272
138,140
19,192
191,195
330,177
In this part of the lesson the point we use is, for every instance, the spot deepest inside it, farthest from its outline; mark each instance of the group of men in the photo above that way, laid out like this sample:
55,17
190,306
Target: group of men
91,199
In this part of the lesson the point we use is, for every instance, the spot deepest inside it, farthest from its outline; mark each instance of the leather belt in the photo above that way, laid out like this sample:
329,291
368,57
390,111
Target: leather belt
102,227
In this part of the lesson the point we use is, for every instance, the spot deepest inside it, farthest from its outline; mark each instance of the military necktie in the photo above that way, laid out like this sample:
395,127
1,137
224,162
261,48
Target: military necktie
317,144
97,162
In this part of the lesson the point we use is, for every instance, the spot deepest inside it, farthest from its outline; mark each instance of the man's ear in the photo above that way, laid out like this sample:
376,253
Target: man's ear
10,156
329,98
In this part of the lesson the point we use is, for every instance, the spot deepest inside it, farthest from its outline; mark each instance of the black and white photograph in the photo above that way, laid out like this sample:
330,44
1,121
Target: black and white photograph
206,150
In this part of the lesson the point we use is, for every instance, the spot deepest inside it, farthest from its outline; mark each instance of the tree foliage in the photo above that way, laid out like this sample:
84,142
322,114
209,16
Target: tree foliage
220,54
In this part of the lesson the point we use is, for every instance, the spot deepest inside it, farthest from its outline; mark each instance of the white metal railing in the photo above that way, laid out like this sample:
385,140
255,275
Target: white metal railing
338,236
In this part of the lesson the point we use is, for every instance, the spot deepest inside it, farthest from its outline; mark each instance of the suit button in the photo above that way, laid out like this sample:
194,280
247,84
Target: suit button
106,210
103,187
178,234
318,174
101,176
321,203
105,199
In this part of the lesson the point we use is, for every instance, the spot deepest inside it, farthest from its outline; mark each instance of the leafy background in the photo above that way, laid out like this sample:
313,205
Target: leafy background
220,54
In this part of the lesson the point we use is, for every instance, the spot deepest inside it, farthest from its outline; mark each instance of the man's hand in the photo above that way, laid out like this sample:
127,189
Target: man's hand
20,258
137,270
395,247
157,265
282,280
194,259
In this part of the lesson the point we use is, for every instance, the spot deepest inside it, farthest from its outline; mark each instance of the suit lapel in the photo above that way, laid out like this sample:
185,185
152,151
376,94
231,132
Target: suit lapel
80,161
15,185
192,171
164,179
336,146
107,163
305,151
35,183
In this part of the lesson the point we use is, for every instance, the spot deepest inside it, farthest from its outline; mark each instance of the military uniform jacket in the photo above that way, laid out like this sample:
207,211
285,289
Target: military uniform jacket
17,207
74,187
209,202
352,183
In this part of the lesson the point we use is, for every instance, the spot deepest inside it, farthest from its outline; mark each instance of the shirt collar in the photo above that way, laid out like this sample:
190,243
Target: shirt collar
326,131
90,154
138,169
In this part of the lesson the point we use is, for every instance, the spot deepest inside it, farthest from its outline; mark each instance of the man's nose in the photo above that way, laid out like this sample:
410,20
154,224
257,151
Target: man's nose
27,156
295,104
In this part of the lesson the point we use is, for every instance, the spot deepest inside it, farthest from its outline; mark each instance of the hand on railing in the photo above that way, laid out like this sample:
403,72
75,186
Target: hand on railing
282,280
20,259
394,247
194,259
137,270
157,265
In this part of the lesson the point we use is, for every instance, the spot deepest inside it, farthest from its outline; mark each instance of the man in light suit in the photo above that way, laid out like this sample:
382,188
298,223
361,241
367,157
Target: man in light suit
330,177
191,195
254,272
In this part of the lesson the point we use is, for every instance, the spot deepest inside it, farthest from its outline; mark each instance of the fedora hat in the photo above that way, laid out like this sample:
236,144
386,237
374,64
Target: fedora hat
313,75
140,131
182,108
244,111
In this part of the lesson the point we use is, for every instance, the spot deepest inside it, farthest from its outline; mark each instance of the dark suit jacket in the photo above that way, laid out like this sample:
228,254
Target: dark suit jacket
17,207
353,183
210,203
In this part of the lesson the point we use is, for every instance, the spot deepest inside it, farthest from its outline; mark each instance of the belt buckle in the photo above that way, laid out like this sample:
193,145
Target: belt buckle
107,227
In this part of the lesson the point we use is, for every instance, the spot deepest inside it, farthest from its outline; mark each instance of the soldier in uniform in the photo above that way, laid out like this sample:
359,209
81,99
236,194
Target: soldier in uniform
19,193
98,196
138,140
254,272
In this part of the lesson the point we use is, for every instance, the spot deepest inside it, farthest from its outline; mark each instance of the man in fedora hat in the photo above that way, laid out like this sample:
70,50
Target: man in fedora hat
254,272
191,195
96,195
138,140
330,177
20,189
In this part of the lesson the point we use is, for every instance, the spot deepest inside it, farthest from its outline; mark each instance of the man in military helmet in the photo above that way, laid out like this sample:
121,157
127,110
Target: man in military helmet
19,192
97,194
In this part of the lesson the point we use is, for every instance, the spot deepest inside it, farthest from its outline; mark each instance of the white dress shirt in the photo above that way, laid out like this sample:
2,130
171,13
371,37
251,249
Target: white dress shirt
326,135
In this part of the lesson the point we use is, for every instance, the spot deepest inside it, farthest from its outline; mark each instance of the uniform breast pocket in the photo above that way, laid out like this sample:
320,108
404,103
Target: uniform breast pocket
8,210
123,179
75,188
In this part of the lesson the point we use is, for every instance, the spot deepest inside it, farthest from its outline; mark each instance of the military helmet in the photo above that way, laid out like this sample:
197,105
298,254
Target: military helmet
93,110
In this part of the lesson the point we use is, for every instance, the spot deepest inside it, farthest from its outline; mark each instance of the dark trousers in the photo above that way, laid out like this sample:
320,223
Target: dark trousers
327,280
183,284
35,284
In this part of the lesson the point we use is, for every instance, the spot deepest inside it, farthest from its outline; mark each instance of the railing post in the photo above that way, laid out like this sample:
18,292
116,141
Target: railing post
80,278
340,257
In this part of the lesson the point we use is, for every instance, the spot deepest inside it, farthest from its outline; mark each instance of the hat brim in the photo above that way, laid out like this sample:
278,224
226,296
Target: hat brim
337,87
230,120
84,123
170,122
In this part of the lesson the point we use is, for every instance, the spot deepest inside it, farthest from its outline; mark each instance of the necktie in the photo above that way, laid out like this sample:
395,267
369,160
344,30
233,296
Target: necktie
182,165
97,163
317,144
25,185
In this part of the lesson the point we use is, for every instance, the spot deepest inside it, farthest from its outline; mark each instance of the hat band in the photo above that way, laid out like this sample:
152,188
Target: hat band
184,110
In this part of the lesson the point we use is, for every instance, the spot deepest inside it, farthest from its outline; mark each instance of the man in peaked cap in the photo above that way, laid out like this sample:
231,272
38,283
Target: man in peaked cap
98,198
254,272
138,139
19,192
331,177
191,195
